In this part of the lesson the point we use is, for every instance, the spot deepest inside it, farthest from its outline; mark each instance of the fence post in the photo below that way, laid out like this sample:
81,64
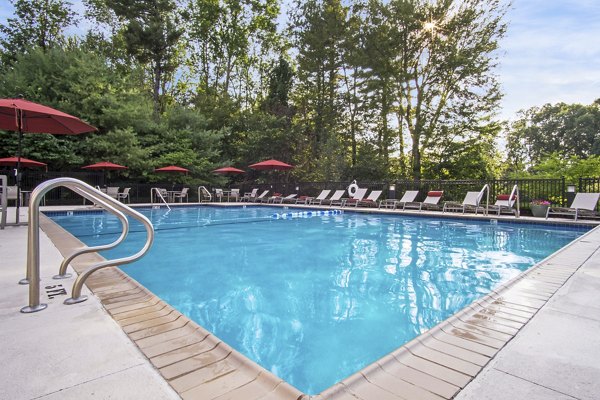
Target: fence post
562,192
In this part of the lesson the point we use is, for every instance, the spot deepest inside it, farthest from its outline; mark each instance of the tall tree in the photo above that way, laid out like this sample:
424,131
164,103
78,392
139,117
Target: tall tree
318,30
37,23
230,43
151,33
444,66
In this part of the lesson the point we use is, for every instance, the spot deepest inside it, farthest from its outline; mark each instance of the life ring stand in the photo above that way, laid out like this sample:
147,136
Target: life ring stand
352,188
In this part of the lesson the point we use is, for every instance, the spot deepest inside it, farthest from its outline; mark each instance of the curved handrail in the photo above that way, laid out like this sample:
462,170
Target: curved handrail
62,271
33,242
159,194
486,189
203,190
514,194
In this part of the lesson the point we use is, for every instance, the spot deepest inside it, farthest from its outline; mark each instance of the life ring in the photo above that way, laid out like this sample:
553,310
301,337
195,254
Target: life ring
352,188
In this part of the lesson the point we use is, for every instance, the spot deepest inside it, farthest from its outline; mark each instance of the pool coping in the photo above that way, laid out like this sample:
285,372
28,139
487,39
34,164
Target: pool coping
434,365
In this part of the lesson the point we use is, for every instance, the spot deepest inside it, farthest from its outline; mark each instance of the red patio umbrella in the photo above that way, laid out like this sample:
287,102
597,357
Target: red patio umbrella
25,162
24,116
228,170
105,166
271,164
172,168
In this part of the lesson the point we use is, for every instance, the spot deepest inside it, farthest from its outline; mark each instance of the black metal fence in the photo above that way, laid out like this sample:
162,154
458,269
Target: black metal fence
554,190
589,185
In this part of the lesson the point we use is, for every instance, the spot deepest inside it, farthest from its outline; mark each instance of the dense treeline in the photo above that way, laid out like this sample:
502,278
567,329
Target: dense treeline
364,89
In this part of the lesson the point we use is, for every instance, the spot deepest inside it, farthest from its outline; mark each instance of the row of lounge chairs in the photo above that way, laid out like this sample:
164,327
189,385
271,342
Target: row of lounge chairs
584,204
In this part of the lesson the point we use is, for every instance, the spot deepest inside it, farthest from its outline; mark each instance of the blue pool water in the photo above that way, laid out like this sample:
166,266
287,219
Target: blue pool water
316,299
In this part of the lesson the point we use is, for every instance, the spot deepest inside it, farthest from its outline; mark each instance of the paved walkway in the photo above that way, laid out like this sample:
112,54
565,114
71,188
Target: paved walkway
557,354
63,352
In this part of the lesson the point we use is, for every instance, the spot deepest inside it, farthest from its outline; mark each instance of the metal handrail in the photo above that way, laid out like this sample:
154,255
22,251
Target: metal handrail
62,271
515,192
33,242
205,191
3,201
486,189
157,191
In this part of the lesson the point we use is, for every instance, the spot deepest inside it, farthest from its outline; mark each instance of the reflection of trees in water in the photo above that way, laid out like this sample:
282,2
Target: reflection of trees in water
423,267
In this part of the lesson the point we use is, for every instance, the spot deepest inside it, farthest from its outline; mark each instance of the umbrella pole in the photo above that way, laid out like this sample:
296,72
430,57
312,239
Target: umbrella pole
18,177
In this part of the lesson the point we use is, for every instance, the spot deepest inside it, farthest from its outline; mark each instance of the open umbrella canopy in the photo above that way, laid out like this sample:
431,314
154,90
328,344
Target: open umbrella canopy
26,116
228,170
105,165
172,168
25,162
271,164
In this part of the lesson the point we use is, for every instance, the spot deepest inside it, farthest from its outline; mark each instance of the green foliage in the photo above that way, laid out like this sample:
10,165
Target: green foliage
557,165
151,35
457,155
372,90
572,130
82,84
36,23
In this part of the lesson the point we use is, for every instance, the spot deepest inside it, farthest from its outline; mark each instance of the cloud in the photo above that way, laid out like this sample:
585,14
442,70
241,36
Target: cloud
551,54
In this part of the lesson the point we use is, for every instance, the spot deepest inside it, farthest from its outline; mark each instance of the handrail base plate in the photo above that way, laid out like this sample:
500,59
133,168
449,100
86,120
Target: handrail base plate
29,309
65,276
71,300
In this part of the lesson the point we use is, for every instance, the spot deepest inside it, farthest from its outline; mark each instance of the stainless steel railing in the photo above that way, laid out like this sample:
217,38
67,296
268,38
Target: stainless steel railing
203,192
485,189
3,201
33,241
156,191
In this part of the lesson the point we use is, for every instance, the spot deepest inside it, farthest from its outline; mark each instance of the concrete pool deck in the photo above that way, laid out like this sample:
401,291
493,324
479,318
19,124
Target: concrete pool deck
551,356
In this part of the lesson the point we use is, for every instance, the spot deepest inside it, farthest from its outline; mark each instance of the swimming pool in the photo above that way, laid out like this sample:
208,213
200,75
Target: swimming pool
316,299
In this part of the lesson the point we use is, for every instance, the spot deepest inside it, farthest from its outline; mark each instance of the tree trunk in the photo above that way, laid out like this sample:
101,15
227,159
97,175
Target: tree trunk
156,90
416,156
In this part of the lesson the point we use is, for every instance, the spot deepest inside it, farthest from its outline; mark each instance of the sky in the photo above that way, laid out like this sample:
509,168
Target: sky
551,53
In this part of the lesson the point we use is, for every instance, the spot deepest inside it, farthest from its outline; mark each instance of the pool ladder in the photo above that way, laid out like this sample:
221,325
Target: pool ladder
202,193
112,205
157,192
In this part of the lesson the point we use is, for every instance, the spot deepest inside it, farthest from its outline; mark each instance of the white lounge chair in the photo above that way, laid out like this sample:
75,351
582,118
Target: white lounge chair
249,196
181,195
113,191
470,202
235,195
584,205
288,198
261,197
219,195
124,195
371,200
431,201
504,203
319,199
408,197
336,199
11,193
358,196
